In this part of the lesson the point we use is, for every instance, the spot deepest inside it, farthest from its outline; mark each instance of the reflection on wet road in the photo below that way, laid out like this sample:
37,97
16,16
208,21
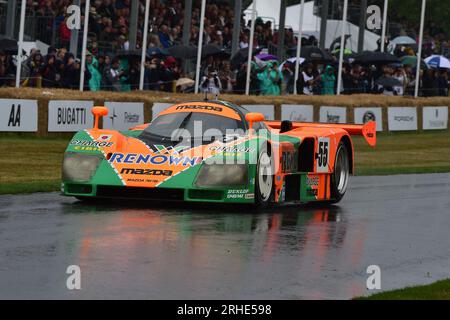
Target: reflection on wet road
400,223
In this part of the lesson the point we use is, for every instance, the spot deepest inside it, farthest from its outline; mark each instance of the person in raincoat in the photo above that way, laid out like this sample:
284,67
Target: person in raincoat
96,78
328,81
270,80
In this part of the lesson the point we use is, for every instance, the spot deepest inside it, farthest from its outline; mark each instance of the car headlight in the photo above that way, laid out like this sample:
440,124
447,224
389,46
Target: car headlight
222,175
79,167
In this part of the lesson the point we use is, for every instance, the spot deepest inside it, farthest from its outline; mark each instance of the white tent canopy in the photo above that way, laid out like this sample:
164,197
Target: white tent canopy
270,10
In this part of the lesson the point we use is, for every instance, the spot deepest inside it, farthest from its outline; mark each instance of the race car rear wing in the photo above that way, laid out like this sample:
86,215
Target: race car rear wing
368,130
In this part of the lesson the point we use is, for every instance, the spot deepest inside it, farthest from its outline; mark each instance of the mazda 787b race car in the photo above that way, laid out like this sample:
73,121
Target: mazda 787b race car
213,151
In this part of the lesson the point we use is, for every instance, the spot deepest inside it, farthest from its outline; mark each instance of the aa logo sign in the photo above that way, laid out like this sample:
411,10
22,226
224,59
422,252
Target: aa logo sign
18,115
14,116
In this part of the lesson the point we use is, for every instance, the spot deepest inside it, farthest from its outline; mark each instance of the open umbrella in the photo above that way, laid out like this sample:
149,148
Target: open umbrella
371,57
388,82
260,63
312,53
185,82
183,52
8,46
214,50
347,52
403,40
240,57
436,62
266,57
411,61
291,60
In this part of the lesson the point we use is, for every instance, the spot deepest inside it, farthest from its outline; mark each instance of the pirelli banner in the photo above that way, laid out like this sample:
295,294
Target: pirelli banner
18,115
69,115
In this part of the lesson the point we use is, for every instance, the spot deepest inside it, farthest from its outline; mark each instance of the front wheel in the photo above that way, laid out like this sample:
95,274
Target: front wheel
264,178
340,175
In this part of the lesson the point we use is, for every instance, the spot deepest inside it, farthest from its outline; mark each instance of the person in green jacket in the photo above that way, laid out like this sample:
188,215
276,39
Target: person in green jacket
270,80
328,81
96,77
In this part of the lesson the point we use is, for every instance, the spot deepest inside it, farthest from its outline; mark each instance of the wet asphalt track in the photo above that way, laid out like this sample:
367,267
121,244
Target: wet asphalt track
401,223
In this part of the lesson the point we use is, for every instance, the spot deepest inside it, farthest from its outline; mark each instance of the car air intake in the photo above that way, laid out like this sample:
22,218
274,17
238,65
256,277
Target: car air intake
140,193
79,188
205,195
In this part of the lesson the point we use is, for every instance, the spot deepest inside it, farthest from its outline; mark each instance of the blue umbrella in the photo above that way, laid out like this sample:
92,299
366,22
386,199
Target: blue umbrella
438,62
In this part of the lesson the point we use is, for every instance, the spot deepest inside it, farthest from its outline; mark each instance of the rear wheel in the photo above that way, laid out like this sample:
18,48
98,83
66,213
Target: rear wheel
264,178
340,175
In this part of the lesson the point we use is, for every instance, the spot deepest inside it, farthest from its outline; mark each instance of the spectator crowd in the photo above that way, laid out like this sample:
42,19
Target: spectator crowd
111,65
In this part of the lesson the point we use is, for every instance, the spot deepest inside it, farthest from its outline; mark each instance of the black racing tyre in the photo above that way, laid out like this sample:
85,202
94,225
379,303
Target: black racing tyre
264,182
341,174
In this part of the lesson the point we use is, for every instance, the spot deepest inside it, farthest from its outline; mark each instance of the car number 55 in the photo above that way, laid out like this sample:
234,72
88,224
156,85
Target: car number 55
323,154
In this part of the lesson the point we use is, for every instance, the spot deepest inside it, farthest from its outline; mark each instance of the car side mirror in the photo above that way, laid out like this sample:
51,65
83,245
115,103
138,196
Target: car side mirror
98,112
253,117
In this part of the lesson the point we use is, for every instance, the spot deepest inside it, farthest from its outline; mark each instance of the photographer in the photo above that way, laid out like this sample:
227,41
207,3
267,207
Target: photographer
114,75
211,83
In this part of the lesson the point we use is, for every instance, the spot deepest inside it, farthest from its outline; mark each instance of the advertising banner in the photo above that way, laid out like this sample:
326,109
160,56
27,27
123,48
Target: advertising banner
158,107
18,115
267,110
435,118
333,114
402,118
123,115
299,113
69,115
364,115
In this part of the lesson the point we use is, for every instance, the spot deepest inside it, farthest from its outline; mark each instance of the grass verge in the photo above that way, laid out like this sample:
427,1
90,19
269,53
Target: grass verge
436,291
29,164
404,153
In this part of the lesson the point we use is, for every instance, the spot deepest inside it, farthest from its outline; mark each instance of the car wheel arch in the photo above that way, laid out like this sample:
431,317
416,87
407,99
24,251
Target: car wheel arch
349,146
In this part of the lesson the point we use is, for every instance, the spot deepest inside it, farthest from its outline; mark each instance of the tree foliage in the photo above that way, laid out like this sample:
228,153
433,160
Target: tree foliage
409,10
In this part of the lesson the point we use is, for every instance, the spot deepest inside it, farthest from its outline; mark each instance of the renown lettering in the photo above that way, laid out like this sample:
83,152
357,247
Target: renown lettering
134,158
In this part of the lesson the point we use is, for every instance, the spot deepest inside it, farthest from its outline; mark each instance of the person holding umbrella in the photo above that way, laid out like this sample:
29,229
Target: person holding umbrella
270,79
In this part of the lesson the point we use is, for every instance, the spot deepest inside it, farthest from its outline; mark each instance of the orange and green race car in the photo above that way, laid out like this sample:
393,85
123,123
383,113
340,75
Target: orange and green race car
213,151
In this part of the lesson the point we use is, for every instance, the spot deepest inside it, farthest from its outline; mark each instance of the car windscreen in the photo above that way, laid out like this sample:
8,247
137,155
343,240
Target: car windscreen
198,124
